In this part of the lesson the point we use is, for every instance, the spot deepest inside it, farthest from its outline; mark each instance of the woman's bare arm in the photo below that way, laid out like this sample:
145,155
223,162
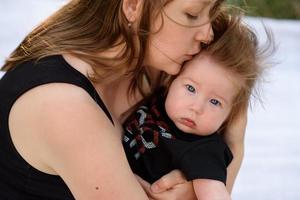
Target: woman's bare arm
171,186
234,138
234,167
74,138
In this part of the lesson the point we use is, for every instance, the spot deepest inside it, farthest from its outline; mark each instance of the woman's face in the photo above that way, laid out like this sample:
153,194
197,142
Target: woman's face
185,24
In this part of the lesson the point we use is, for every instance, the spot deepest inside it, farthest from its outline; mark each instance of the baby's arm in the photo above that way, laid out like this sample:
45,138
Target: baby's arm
210,189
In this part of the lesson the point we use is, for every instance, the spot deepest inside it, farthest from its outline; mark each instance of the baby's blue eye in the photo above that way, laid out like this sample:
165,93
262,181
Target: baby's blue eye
215,102
190,88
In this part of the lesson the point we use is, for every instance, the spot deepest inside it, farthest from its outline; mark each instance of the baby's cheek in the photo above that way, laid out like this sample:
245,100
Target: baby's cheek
212,126
170,109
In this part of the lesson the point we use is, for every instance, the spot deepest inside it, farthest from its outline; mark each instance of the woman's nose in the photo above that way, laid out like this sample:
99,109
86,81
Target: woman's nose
205,34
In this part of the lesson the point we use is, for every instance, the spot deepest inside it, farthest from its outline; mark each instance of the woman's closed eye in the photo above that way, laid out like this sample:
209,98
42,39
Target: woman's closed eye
190,88
191,16
215,102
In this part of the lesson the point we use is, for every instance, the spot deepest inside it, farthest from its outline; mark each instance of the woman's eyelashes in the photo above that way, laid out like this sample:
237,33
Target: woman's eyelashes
191,16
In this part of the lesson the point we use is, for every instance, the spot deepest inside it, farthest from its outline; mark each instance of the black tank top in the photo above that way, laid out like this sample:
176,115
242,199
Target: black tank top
18,179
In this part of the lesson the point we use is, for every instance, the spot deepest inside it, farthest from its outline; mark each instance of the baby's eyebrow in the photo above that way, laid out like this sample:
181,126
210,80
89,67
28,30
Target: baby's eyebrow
190,79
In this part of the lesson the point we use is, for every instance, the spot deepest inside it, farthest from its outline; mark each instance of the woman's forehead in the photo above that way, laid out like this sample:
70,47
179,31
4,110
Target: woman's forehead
196,5
179,11
200,2
192,1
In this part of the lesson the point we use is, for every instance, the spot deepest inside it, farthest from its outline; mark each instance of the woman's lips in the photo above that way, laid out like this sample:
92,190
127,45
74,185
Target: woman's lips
188,58
188,122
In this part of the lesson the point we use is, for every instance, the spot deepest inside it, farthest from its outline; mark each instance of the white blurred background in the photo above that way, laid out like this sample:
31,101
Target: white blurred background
271,168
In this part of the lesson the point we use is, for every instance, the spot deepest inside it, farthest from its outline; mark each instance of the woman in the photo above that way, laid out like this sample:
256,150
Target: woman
55,141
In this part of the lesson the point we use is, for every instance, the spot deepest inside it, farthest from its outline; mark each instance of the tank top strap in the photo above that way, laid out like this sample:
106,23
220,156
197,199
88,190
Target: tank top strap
47,70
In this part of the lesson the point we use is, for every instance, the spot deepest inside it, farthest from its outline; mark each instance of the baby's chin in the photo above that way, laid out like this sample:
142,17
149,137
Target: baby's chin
202,133
190,130
194,131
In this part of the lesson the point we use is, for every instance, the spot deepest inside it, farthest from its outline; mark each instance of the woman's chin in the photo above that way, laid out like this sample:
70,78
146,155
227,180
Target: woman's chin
174,70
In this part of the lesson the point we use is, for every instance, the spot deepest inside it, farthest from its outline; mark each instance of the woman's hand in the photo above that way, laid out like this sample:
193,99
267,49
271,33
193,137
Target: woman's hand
172,186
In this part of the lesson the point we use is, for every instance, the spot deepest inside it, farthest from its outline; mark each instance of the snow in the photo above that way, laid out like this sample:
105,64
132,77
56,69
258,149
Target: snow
271,168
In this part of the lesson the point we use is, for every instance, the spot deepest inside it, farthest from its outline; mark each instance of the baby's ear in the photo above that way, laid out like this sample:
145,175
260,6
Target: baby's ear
132,9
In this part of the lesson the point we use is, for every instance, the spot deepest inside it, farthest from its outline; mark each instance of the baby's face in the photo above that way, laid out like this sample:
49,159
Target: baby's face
200,98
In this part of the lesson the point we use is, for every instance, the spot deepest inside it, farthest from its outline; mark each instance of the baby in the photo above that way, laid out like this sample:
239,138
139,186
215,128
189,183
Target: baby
180,127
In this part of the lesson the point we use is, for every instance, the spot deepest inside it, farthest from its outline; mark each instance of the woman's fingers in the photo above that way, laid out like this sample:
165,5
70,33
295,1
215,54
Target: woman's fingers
145,185
168,181
178,192
174,187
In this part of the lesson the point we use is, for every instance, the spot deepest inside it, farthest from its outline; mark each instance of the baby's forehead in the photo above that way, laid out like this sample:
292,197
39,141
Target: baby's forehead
207,63
200,57
203,54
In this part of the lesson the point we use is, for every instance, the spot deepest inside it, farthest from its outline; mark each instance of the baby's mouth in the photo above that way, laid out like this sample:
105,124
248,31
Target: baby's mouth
188,122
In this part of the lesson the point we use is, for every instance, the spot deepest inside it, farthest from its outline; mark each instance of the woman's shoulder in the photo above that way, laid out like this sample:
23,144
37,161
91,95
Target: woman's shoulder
35,72
50,116
61,100
52,70
70,134
58,104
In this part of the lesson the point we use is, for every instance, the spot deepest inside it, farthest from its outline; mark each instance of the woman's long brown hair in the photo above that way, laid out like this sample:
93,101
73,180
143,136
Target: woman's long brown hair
86,28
